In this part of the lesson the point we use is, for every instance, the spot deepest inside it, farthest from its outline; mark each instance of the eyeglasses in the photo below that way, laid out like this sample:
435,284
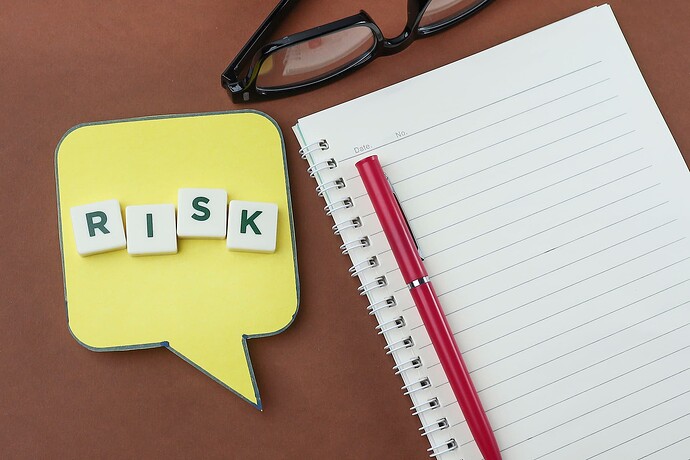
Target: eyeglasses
317,56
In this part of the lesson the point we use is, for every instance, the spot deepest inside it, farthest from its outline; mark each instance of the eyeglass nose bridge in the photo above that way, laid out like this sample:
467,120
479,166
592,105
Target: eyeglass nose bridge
395,45
415,9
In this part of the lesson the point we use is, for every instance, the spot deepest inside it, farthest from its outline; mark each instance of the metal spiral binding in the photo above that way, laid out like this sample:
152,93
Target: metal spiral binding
327,164
363,242
366,288
396,323
414,363
367,264
381,304
304,152
420,384
334,206
356,270
407,342
344,225
451,445
338,183
424,407
438,425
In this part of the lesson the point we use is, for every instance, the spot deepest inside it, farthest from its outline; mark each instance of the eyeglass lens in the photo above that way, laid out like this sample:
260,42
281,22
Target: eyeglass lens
319,56
444,10
325,55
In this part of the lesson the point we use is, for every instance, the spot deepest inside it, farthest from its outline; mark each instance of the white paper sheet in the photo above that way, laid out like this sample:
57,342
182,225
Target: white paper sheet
550,202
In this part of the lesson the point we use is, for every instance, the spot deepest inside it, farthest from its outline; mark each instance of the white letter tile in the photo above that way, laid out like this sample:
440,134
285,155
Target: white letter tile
151,229
201,212
252,226
98,227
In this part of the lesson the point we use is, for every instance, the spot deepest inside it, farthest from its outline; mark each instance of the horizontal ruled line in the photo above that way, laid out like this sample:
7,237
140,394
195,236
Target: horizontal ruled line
622,420
527,173
598,385
476,109
445,184
608,403
573,350
586,368
555,248
551,228
665,447
628,283
648,431
421,237
570,285
579,325
554,120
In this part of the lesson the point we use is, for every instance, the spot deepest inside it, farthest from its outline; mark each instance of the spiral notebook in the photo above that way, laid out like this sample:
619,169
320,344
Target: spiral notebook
550,203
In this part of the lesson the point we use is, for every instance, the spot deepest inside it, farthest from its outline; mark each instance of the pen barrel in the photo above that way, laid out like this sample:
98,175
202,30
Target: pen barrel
404,250
392,220
446,347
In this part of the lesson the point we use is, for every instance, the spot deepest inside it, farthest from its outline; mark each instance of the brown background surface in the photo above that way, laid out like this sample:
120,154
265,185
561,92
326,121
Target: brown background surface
327,387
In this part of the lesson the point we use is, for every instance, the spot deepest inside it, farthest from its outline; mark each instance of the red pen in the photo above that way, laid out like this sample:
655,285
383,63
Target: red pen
415,275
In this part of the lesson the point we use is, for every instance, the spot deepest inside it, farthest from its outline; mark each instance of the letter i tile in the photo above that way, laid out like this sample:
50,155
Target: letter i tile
151,229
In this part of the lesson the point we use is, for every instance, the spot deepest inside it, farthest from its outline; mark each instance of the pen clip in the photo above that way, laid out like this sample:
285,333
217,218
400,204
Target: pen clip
402,211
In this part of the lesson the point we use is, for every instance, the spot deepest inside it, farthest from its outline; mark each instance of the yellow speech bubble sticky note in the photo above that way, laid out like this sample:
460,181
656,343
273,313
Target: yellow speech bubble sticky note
205,301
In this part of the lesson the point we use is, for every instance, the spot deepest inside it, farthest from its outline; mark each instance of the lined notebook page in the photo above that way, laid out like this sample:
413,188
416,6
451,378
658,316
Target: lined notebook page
550,203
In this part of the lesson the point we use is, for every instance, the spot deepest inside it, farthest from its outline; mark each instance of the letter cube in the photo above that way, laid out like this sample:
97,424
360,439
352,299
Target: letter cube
201,212
151,229
252,226
98,227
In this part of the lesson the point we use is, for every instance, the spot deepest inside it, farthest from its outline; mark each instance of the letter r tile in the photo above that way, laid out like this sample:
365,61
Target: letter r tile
252,226
98,227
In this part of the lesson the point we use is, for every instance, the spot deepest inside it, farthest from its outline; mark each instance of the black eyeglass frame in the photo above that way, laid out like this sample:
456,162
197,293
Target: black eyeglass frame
255,52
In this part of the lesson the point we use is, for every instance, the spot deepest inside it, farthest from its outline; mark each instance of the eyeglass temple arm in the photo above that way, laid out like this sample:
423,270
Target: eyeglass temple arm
257,39
414,7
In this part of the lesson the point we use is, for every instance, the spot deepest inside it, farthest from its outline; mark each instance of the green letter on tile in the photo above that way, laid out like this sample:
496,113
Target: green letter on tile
93,225
249,221
149,225
205,212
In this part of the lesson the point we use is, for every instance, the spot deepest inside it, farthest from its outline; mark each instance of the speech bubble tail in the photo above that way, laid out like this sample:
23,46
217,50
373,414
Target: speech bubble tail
225,360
